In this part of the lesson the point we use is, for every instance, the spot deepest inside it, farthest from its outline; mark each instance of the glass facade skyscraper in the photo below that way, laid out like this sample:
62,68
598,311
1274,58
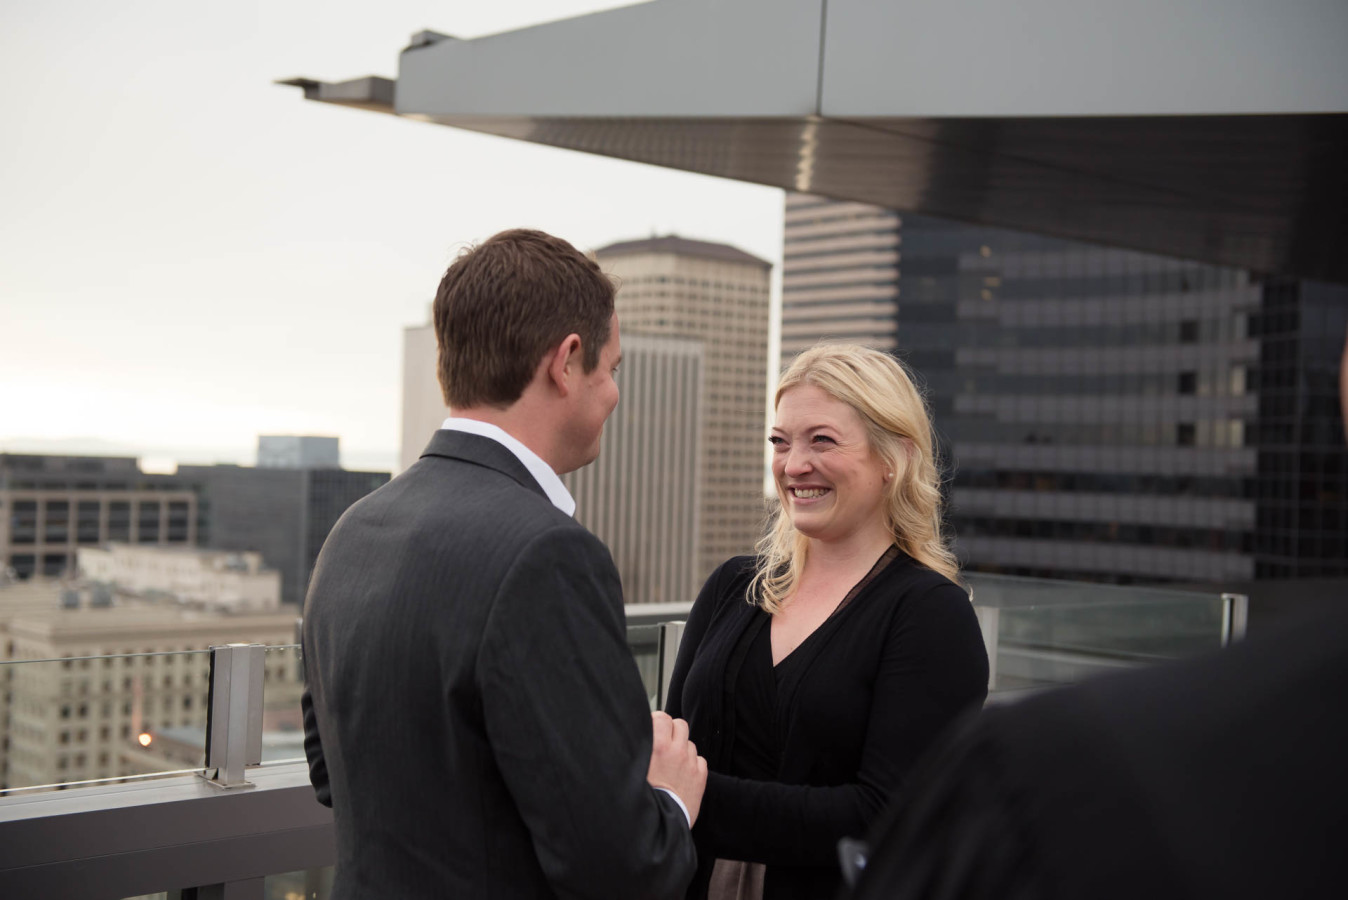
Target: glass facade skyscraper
1302,484
1105,414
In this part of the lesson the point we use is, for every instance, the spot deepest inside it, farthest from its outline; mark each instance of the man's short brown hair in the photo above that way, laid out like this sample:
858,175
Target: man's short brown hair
504,304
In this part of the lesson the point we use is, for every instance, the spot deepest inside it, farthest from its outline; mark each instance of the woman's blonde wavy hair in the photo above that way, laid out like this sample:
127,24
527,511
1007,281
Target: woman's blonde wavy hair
898,427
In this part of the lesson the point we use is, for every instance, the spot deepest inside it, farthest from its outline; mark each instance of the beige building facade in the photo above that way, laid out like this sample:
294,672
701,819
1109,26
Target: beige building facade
52,505
718,295
423,404
69,717
639,497
840,274
221,580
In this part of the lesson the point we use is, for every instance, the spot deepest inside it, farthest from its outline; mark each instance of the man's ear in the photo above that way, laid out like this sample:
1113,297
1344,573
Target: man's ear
564,361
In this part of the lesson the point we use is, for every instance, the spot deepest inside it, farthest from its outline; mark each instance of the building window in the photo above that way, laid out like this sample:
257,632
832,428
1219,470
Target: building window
23,524
119,520
178,522
147,523
57,528
1188,382
1185,434
86,522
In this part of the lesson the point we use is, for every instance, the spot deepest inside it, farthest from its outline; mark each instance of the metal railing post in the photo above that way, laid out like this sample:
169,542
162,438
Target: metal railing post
1235,617
989,622
234,722
667,651
247,889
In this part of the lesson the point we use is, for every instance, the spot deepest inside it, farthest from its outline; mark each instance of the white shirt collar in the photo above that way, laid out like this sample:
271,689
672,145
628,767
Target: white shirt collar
542,472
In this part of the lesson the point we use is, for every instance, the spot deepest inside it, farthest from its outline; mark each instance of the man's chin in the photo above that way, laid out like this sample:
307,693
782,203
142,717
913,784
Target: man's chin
580,462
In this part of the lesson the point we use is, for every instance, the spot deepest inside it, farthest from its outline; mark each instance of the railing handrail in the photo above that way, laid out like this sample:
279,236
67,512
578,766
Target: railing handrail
202,650
162,834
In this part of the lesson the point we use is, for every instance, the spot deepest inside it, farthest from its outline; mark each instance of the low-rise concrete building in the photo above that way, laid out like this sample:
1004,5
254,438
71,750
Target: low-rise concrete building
223,580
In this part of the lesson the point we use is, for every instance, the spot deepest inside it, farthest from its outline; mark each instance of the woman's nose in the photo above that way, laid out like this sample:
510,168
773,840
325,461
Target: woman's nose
797,461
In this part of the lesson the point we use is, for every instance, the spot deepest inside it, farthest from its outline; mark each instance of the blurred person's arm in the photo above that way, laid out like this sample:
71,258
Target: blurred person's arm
1343,385
313,750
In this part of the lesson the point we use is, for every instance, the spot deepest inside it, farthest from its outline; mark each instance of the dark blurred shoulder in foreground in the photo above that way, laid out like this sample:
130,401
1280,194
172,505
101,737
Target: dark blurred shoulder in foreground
1221,777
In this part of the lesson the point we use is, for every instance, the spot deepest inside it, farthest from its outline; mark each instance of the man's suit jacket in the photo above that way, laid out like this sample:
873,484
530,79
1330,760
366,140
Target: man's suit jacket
472,711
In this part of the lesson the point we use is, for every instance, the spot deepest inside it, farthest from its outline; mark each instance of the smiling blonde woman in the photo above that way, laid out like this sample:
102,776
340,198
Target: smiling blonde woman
814,673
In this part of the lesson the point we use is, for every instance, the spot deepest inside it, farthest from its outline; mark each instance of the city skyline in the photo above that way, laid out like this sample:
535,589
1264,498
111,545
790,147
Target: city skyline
196,257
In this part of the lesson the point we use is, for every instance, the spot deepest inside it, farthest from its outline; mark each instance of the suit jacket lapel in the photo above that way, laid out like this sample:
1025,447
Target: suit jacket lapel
481,451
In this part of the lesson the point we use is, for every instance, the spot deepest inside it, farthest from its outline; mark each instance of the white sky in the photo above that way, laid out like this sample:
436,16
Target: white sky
191,256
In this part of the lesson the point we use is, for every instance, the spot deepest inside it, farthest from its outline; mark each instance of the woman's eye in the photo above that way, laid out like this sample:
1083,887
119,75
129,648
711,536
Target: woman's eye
776,441
823,439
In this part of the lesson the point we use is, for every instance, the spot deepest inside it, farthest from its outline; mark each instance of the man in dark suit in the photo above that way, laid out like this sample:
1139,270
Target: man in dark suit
472,713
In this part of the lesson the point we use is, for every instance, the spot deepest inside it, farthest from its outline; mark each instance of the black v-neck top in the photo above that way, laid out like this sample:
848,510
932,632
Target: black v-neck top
756,749
810,752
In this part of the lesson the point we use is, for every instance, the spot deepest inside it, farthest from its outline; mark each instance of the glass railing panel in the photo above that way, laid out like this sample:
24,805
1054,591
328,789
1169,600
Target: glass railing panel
282,719
644,642
1045,632
306,884
1142,630
76,720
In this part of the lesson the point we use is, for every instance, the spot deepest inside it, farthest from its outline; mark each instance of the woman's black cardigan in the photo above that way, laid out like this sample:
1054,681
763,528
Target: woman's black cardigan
881,678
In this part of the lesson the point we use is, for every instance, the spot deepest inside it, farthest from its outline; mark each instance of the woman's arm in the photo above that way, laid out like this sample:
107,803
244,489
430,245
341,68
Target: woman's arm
709,599
933,666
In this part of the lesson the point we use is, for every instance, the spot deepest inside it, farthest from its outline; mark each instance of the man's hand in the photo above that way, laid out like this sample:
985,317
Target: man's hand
675,764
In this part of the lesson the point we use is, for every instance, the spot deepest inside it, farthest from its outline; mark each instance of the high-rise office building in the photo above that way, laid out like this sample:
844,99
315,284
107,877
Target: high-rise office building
718,295
840,274
1301,490
423,404
284,514
639,497
52,505
291,451
1107,414
668,287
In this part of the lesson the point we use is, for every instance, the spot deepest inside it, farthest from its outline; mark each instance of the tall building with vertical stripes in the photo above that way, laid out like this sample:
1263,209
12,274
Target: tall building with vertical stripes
840,274
718,295
640,497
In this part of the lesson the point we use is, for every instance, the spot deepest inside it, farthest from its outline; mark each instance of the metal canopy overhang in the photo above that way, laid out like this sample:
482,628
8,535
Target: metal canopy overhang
1215,130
